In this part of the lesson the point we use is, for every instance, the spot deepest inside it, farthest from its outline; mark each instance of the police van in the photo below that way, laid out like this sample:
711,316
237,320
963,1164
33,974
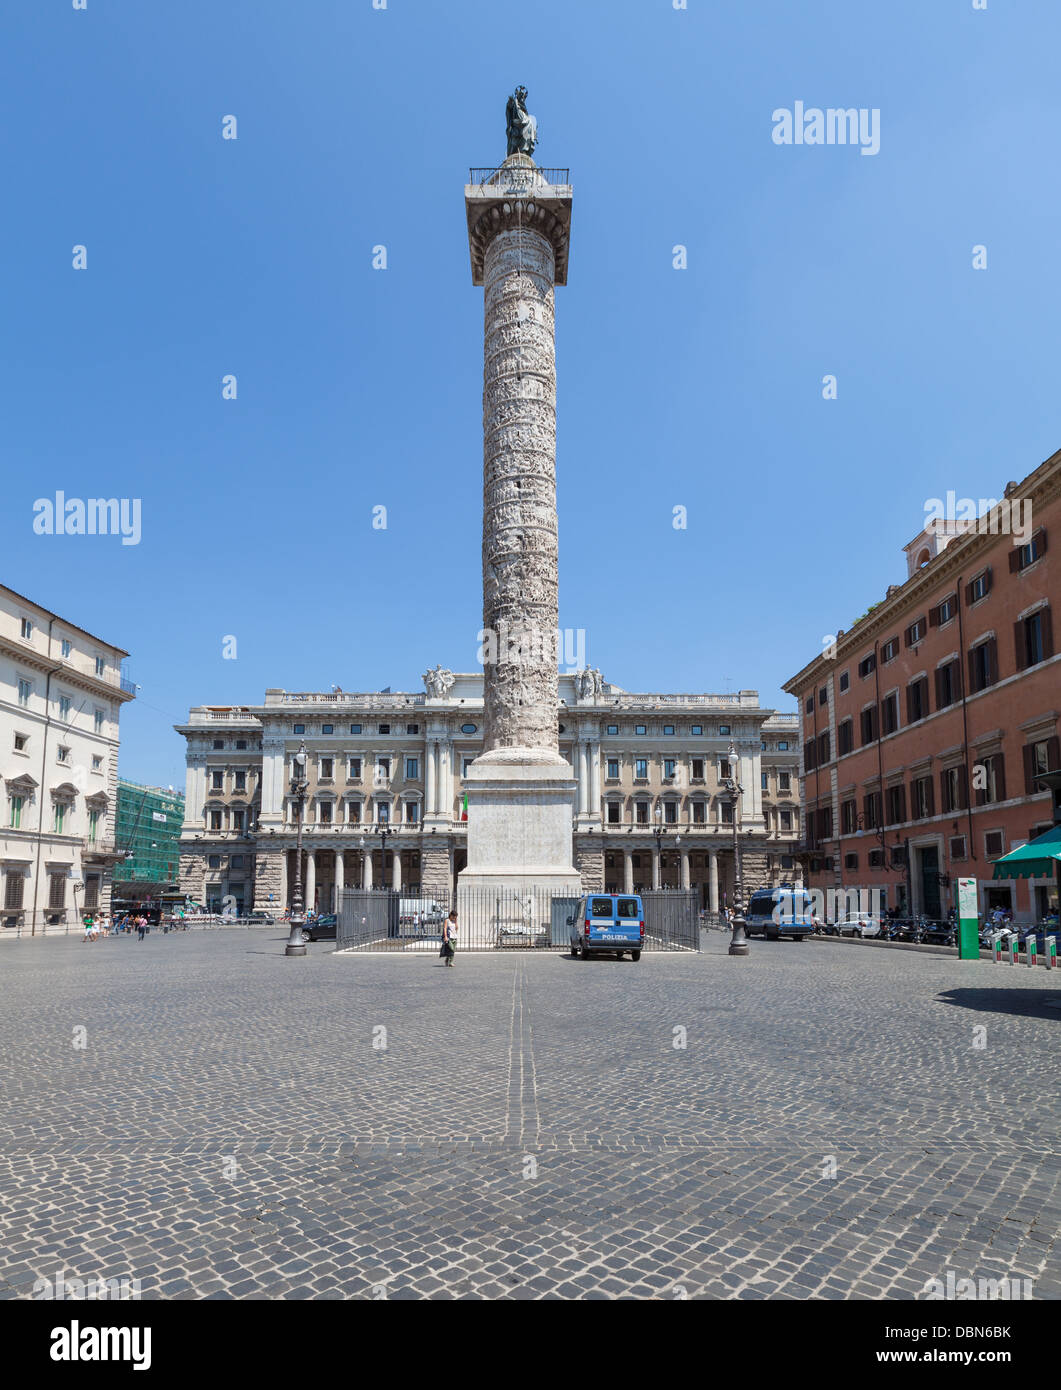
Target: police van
612,923
781,912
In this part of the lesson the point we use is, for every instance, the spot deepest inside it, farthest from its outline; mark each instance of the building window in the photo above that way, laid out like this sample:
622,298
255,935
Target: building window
613,769
726,812
808,708
64,708
1033,639
355,728
25,690
848,817
218,743
669,764
994,844
326,772
64,648
100,715
783,747
889,713
27,628
923,798
896,805
641,812
97,763
784,781
871,810
217,781
640,729
641,768
93,826
786,820
845,681
298,728
698,730
241,743
14,885
383,813
1026,555
236,862
412,728
989,780
890,649
1039,758
101,665
723,730
867,665
465,765
952,782
764,781
383,769
613,728
670,812
240,781
62,753
59,818
698,769
21,743
699,813
915,632
876,859
354,774
823,749
850,861
956,848
412,812
668,729
16,813
412,769
214,861
724,772
917,700
948,684
215,820
353,812
868,722
613,813
983,665
384,728
979,586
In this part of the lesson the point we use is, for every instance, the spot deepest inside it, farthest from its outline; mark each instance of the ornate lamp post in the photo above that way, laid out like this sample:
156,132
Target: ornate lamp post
657,830
384,830
738,945
296,946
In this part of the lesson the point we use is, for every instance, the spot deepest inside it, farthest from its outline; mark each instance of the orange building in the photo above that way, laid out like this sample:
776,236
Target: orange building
926,726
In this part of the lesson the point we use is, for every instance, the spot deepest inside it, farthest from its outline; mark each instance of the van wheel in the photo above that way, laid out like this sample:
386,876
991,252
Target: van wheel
635,955
574,952
618,955
585,953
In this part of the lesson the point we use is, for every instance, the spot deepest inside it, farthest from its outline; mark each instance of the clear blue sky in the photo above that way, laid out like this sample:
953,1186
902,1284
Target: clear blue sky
357,388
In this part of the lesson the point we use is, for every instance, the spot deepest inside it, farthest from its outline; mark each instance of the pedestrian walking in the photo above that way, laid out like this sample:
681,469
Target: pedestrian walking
88,927
141,924
449,937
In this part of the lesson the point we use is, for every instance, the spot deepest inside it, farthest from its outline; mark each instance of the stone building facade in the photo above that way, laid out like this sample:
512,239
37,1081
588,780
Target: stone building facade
61,693
653,804
926,727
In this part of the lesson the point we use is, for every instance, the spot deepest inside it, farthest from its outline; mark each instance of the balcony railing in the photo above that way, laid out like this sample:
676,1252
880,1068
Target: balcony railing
519,177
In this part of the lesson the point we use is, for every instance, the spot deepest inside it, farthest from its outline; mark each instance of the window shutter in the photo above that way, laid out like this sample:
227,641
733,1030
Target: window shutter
987,580
939,687
1029,769
1014,559
971,661
968,593
930,788
1053,755
1040,540
1019,645
13,885
992,660
1047,626
1000,776
933,617
56,892
963,788
943,792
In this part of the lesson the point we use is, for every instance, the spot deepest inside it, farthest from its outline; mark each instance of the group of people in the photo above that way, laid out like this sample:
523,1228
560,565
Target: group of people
99,924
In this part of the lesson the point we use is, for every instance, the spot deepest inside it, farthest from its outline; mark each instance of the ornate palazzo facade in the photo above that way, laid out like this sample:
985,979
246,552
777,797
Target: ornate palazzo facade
653,807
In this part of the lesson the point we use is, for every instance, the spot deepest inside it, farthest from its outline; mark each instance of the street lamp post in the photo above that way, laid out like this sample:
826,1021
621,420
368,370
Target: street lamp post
384,830
738,945
657,830
296,945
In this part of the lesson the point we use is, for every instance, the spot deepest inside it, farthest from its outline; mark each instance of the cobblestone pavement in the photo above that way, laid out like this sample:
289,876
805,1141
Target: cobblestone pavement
229,1129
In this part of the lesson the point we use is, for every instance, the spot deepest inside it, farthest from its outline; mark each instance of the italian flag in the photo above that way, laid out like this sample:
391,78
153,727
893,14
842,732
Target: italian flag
464,807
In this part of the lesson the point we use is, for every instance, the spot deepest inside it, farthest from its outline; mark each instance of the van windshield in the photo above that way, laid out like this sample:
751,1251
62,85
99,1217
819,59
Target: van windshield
601,907
627,907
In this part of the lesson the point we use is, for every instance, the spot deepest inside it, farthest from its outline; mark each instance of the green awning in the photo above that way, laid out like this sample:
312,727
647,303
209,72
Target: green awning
1037,859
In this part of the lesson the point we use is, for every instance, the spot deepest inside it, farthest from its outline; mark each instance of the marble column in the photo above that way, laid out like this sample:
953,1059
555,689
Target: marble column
396,870
712,880
583,777
311,879
430,779
366,868
340,879
282,898
686,880
657,855
594,779
628,871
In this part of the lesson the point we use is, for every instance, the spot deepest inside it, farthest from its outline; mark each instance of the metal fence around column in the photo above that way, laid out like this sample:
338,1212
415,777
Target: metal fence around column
497,919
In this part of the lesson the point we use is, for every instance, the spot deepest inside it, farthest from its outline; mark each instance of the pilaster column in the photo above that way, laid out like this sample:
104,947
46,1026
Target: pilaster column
366,867
340,879
594,778
686,881
396,870
282,901
712,880
311,879
583,777
431,779
628,871
273,781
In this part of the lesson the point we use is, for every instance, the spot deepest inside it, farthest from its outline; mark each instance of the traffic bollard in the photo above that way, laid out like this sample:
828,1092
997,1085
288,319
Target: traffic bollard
1013,948
996,942
1031,946
1051,952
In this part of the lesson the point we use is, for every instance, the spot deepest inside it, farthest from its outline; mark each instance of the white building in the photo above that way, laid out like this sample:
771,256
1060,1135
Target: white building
645,763
61,693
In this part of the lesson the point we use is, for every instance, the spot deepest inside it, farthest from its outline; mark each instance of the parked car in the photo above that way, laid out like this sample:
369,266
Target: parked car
860,924
320,928
258,919
610,923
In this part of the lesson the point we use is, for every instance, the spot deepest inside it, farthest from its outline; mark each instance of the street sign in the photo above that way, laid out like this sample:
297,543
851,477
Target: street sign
968,920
